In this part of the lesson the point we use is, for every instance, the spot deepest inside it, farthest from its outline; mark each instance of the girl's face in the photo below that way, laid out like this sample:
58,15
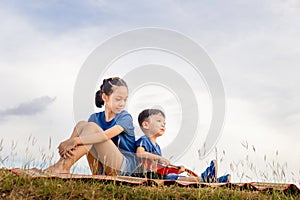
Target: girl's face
156,125
116,102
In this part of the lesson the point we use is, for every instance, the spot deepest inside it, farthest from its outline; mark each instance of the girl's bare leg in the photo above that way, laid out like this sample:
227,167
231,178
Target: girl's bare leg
104,154
78,128
64,165
94,163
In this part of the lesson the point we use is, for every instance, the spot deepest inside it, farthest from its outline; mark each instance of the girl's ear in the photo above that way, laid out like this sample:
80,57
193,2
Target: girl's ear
104,97
145,124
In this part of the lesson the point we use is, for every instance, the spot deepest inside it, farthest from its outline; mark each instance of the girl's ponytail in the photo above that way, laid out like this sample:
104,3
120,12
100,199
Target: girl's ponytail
98,99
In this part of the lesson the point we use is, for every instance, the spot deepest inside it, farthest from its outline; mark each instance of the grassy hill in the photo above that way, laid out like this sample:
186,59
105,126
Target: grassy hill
15,187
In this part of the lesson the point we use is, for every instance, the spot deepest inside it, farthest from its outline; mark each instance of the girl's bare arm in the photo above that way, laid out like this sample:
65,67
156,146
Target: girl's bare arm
98,137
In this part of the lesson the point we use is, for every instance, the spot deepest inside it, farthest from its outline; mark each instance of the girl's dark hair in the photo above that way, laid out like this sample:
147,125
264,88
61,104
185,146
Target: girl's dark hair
107,88
147,113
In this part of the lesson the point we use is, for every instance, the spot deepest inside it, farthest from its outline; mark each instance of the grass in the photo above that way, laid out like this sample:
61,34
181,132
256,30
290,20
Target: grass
15,187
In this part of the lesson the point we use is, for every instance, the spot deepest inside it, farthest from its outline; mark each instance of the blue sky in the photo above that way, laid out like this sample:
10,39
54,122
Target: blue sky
254,45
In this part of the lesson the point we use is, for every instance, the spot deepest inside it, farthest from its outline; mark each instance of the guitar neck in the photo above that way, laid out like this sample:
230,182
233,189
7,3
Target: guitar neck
190,172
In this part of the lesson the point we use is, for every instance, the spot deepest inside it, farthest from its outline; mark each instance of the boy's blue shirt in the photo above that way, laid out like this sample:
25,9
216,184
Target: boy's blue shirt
145,142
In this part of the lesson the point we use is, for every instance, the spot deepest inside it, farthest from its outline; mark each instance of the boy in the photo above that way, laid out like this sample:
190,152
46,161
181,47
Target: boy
152,123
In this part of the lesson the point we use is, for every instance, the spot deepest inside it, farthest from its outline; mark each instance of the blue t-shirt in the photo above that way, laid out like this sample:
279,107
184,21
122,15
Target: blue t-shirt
145,142
125,141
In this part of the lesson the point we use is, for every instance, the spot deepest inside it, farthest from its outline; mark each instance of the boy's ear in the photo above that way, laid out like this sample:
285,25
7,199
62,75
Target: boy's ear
145,125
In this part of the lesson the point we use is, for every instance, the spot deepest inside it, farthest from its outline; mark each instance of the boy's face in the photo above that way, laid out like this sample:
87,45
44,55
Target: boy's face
155,124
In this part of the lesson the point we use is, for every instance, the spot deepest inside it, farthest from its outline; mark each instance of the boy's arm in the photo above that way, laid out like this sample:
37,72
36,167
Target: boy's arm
141,153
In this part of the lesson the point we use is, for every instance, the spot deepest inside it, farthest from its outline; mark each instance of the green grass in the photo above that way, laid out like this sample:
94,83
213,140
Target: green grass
15,187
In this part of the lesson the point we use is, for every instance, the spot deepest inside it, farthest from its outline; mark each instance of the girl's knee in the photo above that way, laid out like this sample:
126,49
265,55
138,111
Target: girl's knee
81,124
79,127
92,126
86,128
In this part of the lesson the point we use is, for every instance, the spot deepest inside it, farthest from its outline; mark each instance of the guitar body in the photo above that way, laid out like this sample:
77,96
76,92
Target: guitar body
164,169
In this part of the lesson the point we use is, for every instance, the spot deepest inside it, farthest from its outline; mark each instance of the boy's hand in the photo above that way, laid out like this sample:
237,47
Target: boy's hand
163,161
181,169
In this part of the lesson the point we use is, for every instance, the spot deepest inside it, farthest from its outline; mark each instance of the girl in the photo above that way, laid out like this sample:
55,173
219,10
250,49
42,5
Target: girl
107,138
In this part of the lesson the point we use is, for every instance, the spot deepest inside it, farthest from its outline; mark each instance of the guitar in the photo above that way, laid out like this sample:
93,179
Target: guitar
163,169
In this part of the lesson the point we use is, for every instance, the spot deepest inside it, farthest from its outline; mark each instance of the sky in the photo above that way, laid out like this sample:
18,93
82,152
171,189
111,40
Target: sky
253,44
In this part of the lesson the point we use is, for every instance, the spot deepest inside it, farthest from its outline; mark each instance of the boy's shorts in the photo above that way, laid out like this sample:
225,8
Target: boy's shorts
172,177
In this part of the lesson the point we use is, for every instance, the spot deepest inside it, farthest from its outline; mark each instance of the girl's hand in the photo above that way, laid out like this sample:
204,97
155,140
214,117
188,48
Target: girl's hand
66,147
181,169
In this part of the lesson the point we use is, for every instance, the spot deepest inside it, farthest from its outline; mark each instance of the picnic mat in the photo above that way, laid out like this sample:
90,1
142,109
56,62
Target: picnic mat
254,186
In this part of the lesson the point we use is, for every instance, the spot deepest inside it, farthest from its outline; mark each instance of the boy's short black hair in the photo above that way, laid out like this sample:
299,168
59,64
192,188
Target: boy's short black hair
147,113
